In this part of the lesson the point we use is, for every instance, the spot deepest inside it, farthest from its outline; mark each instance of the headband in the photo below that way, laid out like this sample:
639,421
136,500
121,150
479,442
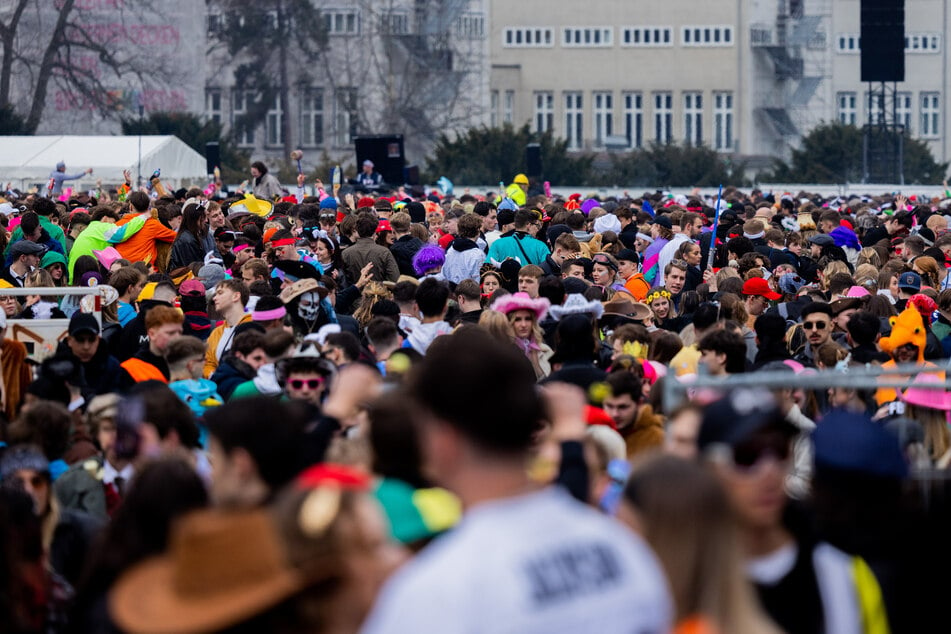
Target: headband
284,242
238,248
644,236
268,315
657,294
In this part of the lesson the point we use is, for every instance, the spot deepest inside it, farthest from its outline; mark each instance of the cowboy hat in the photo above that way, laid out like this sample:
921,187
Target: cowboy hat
939,399
621,305
577,304
209,578
521,301
300,287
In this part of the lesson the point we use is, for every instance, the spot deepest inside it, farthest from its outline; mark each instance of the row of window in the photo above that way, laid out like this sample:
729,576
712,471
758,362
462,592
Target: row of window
348,22
625,126
311,115
928,122
603,36
850,43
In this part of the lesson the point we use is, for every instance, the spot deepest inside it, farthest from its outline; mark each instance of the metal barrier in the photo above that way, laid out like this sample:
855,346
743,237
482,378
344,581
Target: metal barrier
42,336
856,377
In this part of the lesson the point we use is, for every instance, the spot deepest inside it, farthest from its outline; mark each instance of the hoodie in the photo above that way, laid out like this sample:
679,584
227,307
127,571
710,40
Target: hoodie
424,334
463,261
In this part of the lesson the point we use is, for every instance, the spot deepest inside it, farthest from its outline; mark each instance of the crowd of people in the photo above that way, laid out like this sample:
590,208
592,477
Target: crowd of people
422,412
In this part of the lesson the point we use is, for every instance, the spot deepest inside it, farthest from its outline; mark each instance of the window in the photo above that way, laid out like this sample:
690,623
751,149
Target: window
603,116
312,117
574,118
394,22
529,36
847,43
598,36
508,115
213,105
216,23
922,43
345,117
723,120
693,118
930,115
634,119
494,109
274,123
663,117
240,104
544,111
847,108
647,36
712,35
903,109
342,21
470,26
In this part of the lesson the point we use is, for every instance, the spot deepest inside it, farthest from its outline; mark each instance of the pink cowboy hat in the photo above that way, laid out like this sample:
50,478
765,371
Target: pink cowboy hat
107,256
939,399
521,301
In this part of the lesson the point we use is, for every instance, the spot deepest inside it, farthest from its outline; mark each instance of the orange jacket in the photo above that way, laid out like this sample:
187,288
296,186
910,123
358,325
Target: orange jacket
141,246
141,370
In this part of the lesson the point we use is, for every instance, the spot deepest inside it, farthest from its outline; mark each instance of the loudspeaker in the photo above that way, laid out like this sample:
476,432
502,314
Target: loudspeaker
533,160
386,152
411,175
883,40
212,157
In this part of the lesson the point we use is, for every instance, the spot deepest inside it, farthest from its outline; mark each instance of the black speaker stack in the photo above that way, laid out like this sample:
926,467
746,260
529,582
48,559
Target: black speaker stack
883,40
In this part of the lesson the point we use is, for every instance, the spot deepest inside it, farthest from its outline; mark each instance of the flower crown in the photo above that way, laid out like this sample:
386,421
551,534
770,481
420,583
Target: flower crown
656,295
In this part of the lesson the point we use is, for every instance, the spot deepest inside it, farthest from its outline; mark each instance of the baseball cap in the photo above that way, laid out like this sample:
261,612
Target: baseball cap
83,322
740,414
26,247
663,221
627,255
910,280
847,441
759,286
191,288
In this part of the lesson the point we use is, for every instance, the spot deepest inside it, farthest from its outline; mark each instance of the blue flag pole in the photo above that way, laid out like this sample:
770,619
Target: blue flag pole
713,236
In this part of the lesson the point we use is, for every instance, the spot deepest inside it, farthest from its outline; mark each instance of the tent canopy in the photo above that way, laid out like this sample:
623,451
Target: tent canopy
28,160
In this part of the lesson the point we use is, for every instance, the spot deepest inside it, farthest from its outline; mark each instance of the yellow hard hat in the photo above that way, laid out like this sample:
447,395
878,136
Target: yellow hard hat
521,179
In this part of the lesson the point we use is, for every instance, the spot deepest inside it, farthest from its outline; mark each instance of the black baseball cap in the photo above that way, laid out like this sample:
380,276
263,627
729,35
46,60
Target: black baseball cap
83,323
628,255
740,414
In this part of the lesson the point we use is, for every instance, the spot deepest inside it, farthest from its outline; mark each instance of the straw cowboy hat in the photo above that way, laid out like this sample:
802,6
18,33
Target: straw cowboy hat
300,287
220,569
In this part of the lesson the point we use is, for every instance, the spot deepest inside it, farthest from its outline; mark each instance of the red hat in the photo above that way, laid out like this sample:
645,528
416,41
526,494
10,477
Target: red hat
366,201
289,199
597,416
759,286
847,224
384,225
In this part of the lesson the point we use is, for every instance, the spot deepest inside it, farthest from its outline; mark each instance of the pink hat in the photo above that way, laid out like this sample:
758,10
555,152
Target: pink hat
857,291
521,301
107,256
939,399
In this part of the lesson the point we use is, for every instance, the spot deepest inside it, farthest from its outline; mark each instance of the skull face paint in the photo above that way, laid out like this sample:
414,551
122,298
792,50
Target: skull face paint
309,305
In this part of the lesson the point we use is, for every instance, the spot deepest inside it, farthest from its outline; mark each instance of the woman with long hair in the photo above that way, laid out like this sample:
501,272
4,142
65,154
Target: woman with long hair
524,315
194,240
683,513
36,306
327,253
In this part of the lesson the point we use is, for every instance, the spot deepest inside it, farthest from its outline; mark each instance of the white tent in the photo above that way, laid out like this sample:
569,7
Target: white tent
26,161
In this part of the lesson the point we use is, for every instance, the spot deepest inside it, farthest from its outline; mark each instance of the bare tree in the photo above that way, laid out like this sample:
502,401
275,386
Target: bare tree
41,44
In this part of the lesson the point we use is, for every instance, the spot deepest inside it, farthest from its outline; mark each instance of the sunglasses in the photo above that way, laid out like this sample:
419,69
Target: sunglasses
312,384
750,454
815,325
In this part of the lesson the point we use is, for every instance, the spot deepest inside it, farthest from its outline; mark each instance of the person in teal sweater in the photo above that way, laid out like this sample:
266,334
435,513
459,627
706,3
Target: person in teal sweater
520,244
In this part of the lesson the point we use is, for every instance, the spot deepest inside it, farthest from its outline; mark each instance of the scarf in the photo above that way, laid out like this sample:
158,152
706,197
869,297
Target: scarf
527,346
